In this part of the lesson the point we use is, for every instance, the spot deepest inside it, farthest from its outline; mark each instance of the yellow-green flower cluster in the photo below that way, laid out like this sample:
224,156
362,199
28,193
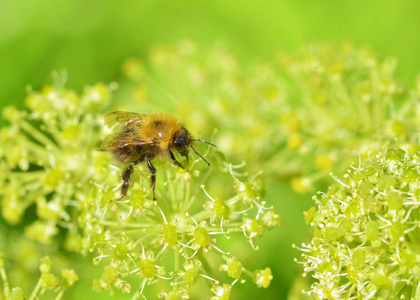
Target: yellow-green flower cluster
46,155
174,242
297,116
346,104
366,231
48,281
49,161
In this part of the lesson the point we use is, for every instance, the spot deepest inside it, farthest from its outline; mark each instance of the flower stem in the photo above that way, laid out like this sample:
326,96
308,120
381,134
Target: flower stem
36,290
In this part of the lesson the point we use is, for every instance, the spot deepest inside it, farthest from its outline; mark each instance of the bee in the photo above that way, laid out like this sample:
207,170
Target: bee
142,137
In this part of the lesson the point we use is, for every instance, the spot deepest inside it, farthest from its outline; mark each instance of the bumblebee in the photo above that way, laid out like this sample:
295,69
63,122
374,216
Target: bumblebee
142,137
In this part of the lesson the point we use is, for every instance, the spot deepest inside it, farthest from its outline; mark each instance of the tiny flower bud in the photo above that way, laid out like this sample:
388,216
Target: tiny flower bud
201,237
170,235
234,269
16,294
109,276
262,278
45,264
70,276
50,281
147,268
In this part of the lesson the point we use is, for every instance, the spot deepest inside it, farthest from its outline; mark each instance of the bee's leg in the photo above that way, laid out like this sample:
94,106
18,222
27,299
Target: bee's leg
127,176
153,177
185,154
177,163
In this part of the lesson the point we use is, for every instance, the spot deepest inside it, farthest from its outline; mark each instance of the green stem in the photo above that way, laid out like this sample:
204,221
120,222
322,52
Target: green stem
176,266
60,294
36,290
127,225
196,191
234,227
246,271
6,287
186,196
202,215
171,190
36,134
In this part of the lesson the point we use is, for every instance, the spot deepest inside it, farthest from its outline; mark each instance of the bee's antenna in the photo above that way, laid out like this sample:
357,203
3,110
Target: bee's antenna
203,141
200,154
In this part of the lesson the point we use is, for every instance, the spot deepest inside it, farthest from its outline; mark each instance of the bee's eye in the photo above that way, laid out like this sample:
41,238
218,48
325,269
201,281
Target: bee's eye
180,141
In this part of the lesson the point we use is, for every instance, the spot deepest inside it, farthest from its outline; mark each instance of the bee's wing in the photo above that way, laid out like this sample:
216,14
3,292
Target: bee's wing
121,118
117,141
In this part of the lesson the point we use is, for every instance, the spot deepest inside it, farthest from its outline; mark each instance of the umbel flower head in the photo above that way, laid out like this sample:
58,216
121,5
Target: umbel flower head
175,242
346,102
46,154
49,159
48,281
366,231
307,114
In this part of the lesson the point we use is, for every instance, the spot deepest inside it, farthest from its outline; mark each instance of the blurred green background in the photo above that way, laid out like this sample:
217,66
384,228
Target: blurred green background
92,38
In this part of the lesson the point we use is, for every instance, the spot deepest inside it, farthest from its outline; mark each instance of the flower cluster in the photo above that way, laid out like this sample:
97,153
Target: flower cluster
347,104
174,242
48,161
366,231
46,154
298,117
48,281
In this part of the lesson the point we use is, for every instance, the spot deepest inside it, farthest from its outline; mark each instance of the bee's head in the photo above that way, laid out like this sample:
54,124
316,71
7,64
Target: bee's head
183,140
181,143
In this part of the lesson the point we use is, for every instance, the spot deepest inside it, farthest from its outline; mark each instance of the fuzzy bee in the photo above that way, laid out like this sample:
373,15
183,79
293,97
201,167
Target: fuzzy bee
142,137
